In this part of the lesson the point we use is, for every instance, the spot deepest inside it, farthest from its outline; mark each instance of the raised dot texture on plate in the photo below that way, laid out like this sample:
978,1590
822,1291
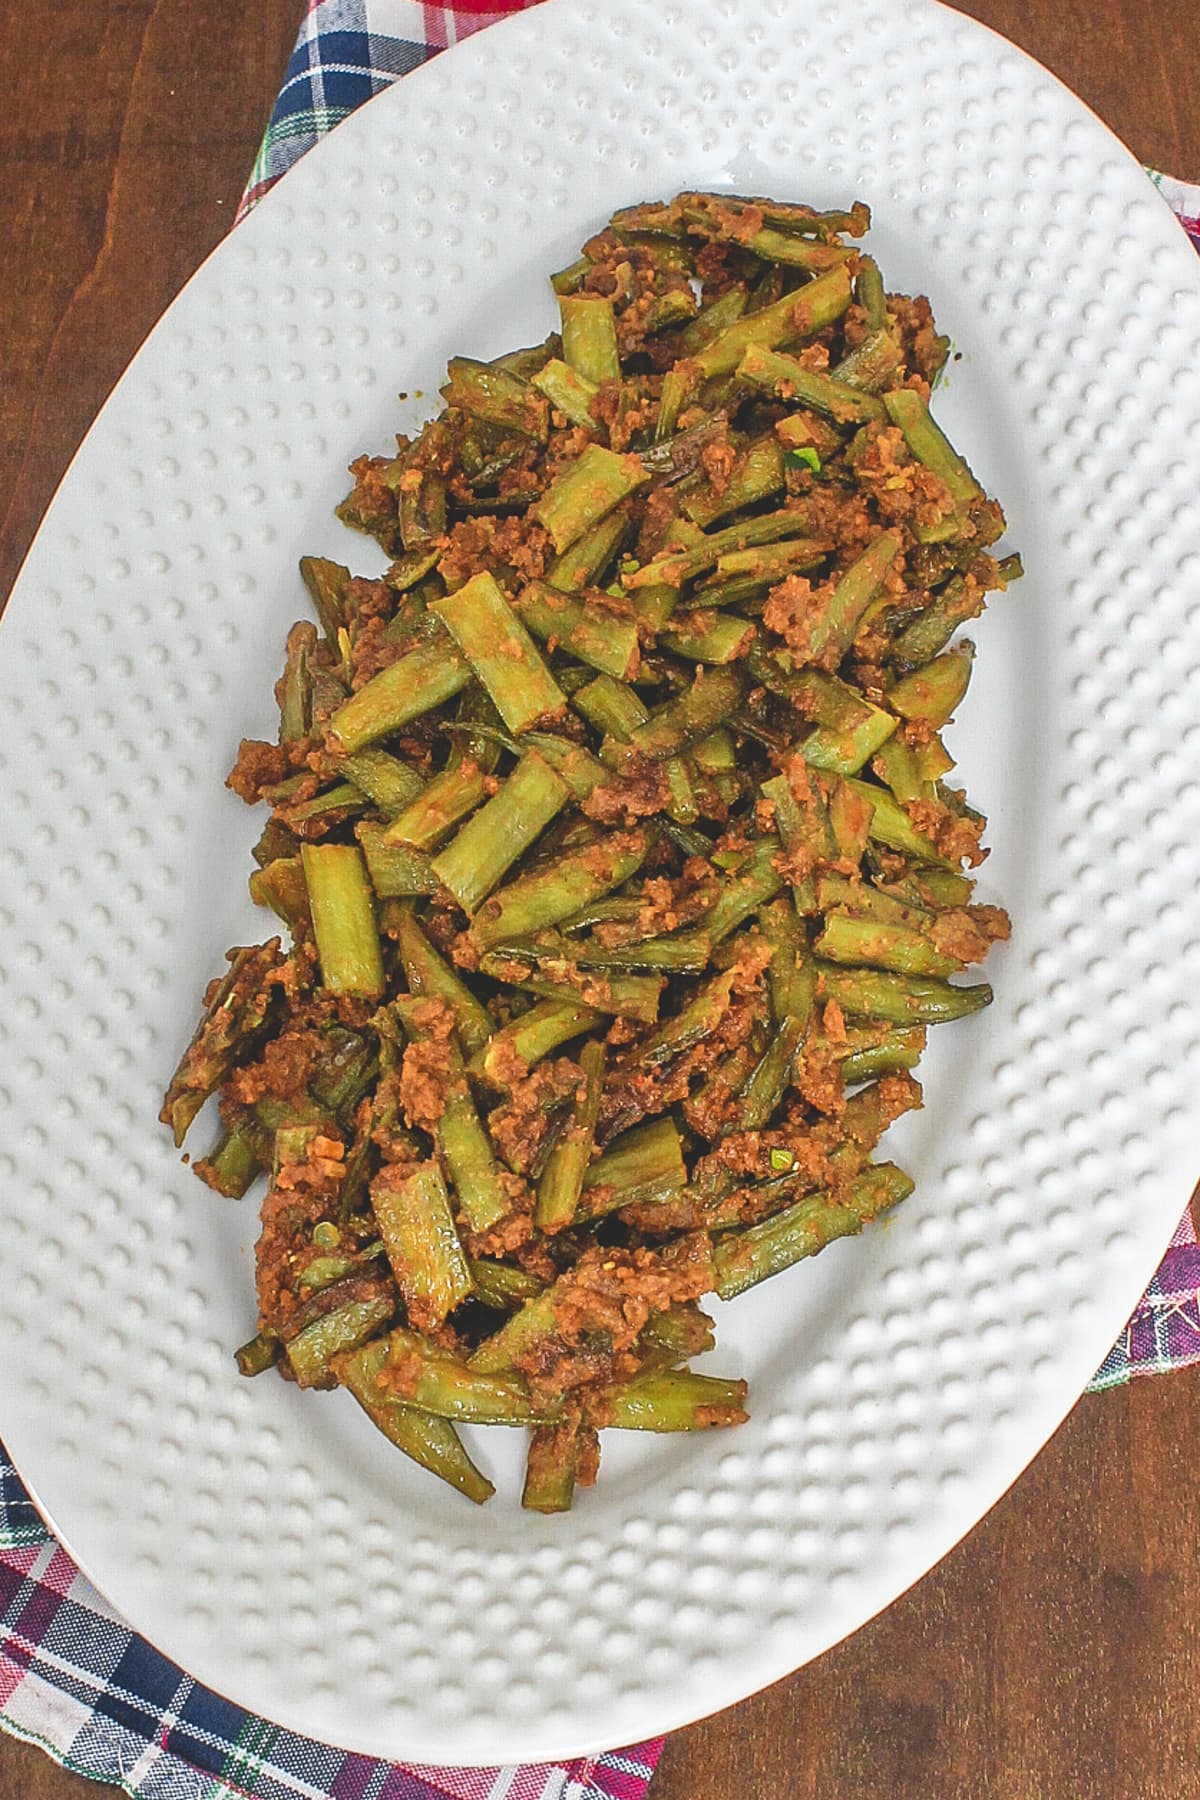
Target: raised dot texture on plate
697,1570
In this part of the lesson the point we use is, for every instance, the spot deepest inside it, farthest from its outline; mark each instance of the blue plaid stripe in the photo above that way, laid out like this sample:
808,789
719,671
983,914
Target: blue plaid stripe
337,71
20,1522
336,65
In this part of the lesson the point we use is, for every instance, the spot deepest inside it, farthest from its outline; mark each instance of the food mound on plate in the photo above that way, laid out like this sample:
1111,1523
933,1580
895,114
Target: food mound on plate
612,840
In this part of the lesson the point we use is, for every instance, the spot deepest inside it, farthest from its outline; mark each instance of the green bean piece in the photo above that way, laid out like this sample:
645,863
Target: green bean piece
294,688
628,996
533,1036
396,872
759,473
237,1158
292,1136
458,789
409,571
712,320
462,1142
570,280
344,1069
692,716
498,835
871,944
744,1258
796,252
589,337
670,955
756,882
899,766
790,380
643,1167
552,1464
873,365
760,566
578,768
497,395
343,916
673,1400
678,1334
281,887
430,977
427,676
526,362
707,637
467,1151
832,633
262,1352
323,1271
501,652
584,492
861,900
611,706
769,1080
932,692
435,1382
534,1321
676,458
677,387
675,566
715,754
850,820
796,833
891,825
429,1441
869,292
568,392
588,557
929,445
311,1351
328,587
391,784
423,503
698,1020
888,1055
932,888
847,750
603,639
900,999
545,896
344,800
933,628
502,1286
412,1210
451,795
798,315
674,307
563,1174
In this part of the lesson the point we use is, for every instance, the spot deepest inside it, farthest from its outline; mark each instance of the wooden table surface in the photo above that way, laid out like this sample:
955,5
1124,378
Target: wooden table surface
1054,1655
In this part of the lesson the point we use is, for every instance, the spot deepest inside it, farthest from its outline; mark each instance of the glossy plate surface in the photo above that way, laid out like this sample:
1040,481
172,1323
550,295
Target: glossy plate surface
270,1541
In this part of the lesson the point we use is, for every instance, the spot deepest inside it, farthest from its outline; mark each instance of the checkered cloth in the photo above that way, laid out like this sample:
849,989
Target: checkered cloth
76,1680
73,1677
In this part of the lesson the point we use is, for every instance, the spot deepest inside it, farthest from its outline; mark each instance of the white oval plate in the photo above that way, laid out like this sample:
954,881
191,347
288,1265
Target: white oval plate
269,1541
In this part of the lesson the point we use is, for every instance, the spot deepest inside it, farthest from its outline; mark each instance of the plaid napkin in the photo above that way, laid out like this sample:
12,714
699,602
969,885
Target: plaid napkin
73,1677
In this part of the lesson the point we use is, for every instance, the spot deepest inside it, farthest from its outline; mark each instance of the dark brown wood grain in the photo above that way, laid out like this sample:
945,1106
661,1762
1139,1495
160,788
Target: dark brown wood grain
1054,1654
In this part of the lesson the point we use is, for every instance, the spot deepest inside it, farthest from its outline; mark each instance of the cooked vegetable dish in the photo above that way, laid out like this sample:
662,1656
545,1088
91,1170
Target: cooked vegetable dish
613,844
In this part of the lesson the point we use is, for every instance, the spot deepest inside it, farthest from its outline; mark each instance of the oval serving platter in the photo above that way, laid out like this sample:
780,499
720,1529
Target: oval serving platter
269,1541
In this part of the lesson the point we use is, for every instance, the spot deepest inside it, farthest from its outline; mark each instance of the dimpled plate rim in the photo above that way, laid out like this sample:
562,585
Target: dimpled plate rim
267,1541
